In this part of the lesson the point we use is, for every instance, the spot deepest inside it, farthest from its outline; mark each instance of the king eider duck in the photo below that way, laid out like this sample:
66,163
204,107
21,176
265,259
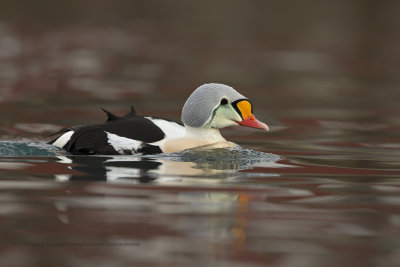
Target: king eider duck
209,108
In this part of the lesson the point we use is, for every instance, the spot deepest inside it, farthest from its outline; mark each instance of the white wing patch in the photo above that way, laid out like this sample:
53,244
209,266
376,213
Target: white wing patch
171,130
120,143
63,139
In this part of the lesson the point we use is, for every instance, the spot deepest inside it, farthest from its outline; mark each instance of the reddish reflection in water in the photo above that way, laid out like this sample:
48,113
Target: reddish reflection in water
281,224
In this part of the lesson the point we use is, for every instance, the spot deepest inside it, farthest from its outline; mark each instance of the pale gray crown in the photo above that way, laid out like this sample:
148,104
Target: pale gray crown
201,103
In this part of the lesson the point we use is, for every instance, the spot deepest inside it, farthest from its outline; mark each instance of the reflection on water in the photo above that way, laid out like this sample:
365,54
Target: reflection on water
254,219
235,205
329,196
202,163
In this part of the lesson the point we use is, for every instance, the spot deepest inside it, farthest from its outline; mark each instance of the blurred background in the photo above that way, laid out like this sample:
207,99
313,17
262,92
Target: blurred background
61,60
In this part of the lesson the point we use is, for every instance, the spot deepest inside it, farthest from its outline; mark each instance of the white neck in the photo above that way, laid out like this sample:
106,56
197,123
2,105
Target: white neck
210,135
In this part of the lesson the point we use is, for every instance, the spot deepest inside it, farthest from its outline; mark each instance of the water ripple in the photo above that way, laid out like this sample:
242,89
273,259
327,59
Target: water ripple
26,149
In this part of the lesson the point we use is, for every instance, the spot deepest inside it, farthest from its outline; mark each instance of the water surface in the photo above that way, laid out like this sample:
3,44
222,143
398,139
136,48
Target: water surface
298,205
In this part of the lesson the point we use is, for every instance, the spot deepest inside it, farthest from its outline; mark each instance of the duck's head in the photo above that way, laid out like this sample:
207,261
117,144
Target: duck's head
215,105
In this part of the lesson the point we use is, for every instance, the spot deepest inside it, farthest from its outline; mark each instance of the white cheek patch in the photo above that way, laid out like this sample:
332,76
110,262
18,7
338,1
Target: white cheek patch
224,117
120,144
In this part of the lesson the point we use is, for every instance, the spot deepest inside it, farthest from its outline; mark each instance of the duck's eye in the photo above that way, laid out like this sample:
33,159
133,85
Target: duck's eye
224,101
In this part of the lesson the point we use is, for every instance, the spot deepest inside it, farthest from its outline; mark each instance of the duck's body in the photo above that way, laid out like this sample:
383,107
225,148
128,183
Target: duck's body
210,107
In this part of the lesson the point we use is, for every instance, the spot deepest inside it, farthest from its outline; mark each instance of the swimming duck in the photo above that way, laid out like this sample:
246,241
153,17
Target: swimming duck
210,107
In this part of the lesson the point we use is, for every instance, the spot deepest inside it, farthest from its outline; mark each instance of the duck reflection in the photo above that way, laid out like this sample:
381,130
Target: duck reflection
167,168
110,168
216,216
203,214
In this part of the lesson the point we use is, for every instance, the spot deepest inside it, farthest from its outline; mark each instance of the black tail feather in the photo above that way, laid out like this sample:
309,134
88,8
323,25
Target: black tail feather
131,113
111,116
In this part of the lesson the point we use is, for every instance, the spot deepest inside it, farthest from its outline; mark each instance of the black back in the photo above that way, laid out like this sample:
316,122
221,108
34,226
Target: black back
92,139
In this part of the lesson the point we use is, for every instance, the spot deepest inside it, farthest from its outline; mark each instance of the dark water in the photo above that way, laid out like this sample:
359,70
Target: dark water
322,188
